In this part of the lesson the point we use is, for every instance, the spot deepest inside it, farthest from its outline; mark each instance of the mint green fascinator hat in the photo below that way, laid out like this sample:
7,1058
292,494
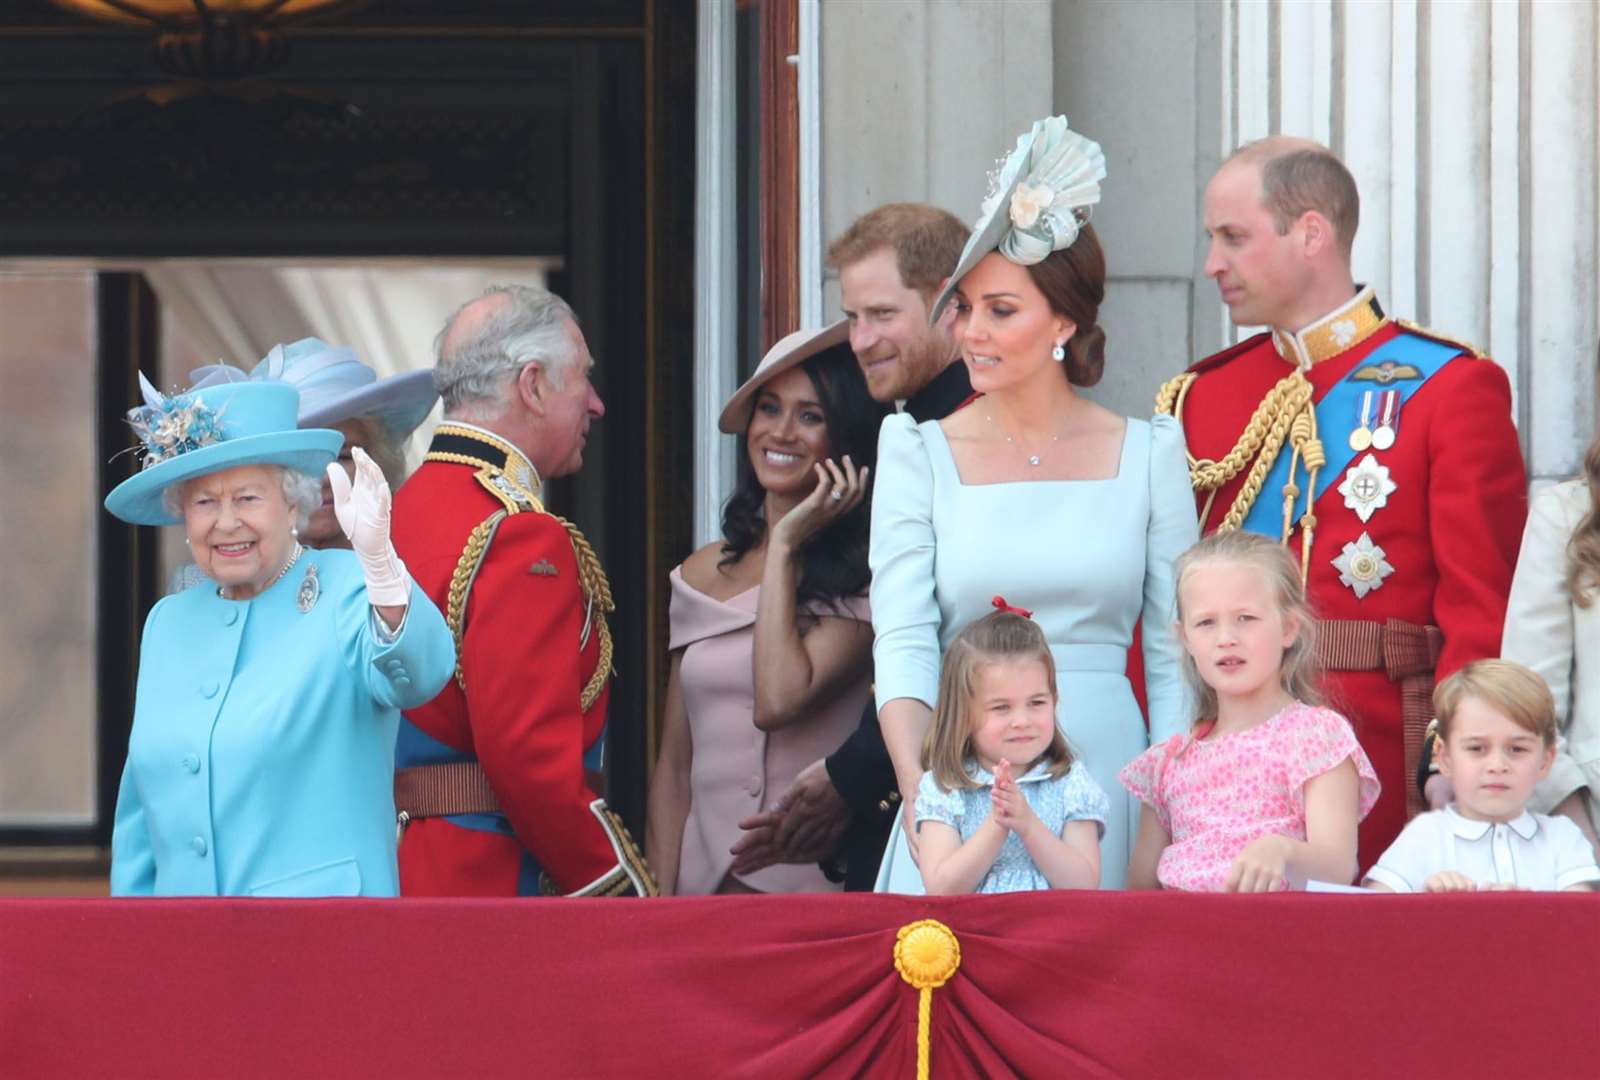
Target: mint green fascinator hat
1039,197
336,386
203,431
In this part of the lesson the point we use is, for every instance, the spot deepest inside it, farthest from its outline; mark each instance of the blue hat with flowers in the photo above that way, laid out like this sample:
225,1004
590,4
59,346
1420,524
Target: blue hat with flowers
210,429
1039,197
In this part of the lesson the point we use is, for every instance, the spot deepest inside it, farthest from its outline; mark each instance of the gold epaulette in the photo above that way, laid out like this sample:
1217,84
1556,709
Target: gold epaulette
1422,331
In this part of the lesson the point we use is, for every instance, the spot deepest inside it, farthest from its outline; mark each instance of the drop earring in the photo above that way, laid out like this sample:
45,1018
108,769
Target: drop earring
1059,353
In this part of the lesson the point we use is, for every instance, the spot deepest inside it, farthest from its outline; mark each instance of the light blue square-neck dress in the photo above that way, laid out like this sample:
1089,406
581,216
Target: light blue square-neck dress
1089,558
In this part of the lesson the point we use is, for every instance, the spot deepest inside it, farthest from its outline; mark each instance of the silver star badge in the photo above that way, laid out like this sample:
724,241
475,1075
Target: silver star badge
1366,487
1362,566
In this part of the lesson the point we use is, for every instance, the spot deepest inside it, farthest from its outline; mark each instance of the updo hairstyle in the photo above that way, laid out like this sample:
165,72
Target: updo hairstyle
1073,280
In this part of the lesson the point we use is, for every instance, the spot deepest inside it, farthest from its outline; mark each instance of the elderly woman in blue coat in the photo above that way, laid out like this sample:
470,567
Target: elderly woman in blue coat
261,761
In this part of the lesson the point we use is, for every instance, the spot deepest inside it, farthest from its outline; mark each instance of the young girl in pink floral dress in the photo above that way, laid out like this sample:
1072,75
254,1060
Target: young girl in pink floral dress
1266,791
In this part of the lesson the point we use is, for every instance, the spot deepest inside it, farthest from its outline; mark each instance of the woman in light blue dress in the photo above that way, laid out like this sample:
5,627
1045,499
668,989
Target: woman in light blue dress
1035,493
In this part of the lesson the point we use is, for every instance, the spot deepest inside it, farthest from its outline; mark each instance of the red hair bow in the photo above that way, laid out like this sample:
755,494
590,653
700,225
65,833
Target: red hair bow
1001,605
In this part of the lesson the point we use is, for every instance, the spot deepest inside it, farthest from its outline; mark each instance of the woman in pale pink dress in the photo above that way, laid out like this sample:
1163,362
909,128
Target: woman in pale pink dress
1267,790
771,635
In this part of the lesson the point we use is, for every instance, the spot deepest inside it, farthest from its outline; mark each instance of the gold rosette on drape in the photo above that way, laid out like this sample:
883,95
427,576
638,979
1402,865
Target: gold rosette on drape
926,954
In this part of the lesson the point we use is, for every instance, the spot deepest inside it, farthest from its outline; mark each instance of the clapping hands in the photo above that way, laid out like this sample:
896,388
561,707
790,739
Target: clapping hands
1010,807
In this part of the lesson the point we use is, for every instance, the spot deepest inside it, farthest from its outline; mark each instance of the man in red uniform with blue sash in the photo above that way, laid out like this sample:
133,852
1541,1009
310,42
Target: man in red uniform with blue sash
498,778
1383,454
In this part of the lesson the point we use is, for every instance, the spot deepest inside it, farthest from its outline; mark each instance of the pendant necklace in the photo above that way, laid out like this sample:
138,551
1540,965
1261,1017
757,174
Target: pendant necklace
299,550
1033,459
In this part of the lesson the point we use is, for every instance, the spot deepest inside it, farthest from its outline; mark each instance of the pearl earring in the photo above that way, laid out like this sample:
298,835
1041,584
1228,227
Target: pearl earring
294,531
186,541
1059,353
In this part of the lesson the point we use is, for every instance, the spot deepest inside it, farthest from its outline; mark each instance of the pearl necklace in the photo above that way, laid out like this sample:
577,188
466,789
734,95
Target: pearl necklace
299,550
1033,459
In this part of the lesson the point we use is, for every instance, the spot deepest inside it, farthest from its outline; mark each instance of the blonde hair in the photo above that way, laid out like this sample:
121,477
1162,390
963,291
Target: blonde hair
1514,691
999,637
1300,671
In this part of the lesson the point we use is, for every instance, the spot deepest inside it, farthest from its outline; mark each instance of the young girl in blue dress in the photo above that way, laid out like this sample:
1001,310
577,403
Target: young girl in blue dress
1003,807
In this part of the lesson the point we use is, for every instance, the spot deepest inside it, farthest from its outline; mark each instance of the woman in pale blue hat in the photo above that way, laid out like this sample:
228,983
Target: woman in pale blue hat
338,391
1033,492
261,760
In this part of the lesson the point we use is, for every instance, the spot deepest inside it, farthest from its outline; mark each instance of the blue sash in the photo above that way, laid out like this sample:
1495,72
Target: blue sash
1337,416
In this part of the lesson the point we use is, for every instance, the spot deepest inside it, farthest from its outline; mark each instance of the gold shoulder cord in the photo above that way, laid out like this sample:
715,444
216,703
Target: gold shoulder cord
591,578
1285,414
1465,346
597,589
465,573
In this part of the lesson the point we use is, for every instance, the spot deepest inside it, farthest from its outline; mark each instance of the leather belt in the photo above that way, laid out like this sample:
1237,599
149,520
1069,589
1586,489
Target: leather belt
1407,654
456,787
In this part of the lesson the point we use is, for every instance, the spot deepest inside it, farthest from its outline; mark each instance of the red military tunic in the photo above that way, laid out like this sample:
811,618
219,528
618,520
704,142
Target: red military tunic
1450,529
525,658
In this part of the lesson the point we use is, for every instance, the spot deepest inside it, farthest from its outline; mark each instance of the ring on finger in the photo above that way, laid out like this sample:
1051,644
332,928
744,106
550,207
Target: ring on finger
836,494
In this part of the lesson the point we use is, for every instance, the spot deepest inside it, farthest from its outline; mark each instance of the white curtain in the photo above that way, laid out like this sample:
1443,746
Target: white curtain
387,310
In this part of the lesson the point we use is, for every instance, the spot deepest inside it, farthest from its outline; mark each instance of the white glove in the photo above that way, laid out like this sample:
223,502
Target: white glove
363,514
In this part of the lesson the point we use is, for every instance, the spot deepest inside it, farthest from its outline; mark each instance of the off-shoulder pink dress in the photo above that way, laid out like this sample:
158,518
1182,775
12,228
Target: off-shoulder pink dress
737,768
1215,795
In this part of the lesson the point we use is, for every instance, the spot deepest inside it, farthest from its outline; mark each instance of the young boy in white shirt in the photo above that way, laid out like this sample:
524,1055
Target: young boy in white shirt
1496,740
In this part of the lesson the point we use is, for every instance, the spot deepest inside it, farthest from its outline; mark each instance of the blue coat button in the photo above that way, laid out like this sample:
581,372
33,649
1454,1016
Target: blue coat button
401,680
209,689
199,845
191,762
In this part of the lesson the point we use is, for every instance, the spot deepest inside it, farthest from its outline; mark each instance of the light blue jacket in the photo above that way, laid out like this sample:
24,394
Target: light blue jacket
262,756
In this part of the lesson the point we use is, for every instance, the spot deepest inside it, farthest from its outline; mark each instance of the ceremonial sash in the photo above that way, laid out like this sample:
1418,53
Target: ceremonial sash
1336,415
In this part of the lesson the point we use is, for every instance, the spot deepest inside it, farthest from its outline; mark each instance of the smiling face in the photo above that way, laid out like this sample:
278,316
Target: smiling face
238,524
788,434
1492,761
1261,275
898,351
1005,326
1013,713
1234,630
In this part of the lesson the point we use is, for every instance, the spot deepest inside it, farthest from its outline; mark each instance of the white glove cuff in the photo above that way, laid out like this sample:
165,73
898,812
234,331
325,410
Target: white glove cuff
388,583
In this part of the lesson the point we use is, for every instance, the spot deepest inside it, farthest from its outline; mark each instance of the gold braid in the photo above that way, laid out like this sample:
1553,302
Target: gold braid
592,577
465,573
1285,414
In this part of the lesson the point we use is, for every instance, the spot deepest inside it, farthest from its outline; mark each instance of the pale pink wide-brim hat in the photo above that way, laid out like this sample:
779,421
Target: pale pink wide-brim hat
791,350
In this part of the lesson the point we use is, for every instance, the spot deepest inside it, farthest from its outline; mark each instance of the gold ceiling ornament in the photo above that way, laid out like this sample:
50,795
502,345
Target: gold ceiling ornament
213,39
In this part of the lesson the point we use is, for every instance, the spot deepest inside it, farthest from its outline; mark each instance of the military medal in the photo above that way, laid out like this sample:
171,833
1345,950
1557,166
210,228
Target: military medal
1361,437
310,590
1383,437
1362,566
1366,487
